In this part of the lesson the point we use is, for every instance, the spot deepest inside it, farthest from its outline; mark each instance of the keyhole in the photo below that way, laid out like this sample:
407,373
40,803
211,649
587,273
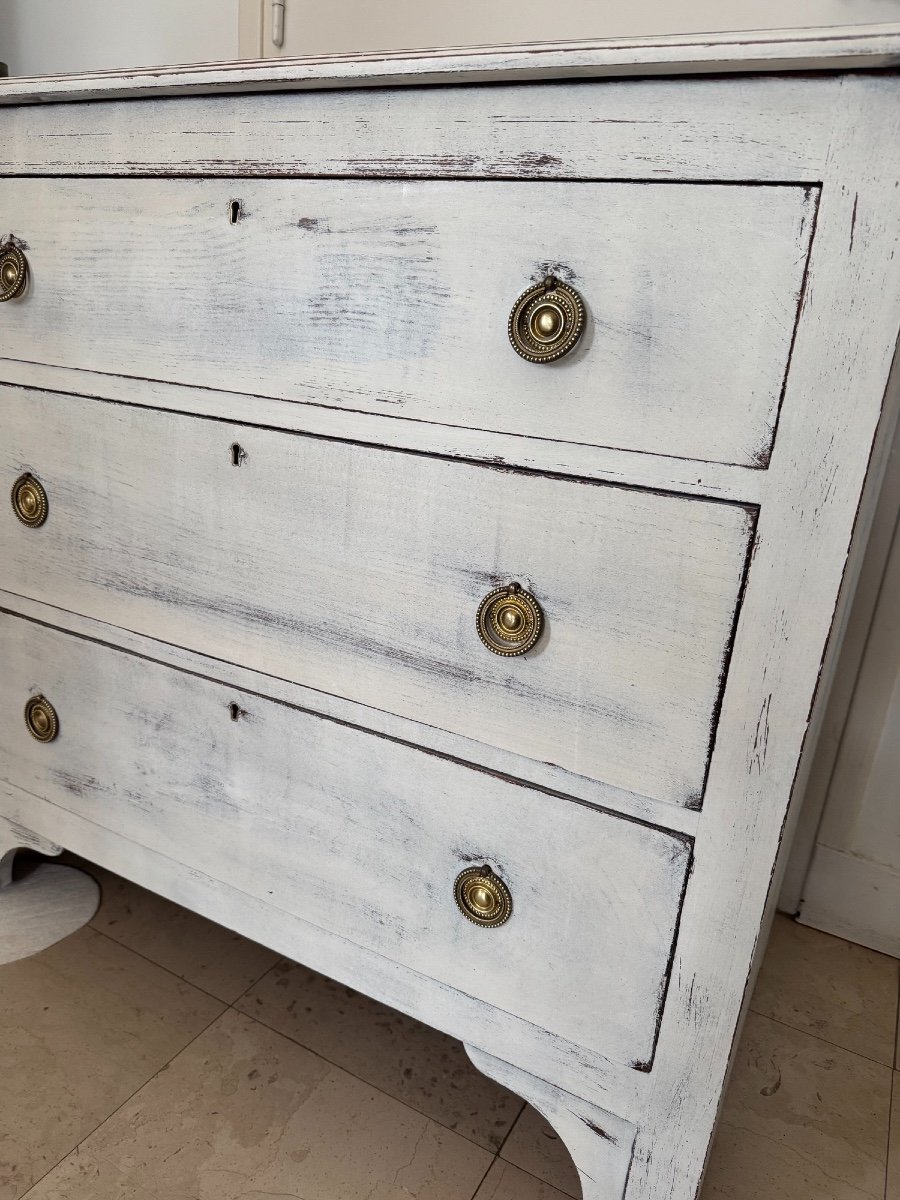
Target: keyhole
234,211
238,454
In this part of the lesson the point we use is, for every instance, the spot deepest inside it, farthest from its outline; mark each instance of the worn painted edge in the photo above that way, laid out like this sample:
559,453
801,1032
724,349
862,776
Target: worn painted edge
818,49
635,468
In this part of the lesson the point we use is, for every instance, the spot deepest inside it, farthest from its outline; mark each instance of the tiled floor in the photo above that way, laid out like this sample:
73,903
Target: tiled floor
154,1056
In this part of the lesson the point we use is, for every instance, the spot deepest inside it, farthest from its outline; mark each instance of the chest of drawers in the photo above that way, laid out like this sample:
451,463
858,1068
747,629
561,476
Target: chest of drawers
434,484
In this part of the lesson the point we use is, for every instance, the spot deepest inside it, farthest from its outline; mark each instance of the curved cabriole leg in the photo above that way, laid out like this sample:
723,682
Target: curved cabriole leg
45,905
600,1143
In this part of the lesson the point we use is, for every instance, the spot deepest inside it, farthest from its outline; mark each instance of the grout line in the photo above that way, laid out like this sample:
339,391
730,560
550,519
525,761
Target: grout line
231,1005
181,979
525,1170
894,1098
340,1067
511,1128
818,1038
543,1182
280,958
109,1116
484,1177
85,866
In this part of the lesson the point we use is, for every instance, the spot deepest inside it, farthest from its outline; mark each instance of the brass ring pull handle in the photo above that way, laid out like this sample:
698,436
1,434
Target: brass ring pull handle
509,620
13,272
482,897
29,501
546,321
41,719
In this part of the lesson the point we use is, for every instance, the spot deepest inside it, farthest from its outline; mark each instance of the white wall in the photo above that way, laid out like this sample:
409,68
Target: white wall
311,27
51,36
41,37
853,886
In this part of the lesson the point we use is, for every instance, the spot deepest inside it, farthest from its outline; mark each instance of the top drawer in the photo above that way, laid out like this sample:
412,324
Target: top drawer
393,297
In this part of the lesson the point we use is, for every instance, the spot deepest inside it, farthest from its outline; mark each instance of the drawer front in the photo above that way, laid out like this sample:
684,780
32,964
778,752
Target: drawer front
357,834
359,571
393,297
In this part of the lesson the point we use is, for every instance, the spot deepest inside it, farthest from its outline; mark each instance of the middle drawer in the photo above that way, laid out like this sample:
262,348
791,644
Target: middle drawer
359,571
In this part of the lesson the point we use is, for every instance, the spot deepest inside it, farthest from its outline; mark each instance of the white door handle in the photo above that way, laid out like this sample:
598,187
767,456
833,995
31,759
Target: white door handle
277,22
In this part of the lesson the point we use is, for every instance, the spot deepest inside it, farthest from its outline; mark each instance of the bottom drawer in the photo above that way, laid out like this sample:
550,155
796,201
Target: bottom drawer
361,835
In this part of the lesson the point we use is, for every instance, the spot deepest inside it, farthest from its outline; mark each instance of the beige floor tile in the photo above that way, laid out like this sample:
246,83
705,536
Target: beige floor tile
206,954
534,1146
834,989
246,1114
82,1026
408,1060
506,1182
893,1171
803,1120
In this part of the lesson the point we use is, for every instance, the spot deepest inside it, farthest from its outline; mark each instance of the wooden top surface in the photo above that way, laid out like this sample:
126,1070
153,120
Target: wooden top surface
860,47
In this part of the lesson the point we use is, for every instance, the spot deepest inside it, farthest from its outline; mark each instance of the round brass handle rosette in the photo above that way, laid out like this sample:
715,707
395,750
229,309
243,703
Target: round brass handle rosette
41,719
546,321
13,272
482,897
509,620
29,501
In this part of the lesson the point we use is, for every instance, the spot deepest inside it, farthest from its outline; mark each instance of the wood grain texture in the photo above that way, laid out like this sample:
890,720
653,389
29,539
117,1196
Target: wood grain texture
463,1016
359,835
739,129
600,1142
468,751
834,418
301,508
393,297
765,50
657,472
13,837
360,571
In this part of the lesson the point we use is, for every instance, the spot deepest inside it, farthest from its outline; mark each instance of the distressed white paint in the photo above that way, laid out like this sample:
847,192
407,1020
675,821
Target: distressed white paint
845,343
359,571
458,1013
13,837
739,129
655,471
361,836
840,131
394,296
414,732
600,1143
849,47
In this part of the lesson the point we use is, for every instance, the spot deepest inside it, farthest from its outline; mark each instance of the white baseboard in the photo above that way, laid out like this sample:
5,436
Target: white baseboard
854,899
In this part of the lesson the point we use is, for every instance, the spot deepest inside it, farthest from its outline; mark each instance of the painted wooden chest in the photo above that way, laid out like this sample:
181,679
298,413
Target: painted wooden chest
436,485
